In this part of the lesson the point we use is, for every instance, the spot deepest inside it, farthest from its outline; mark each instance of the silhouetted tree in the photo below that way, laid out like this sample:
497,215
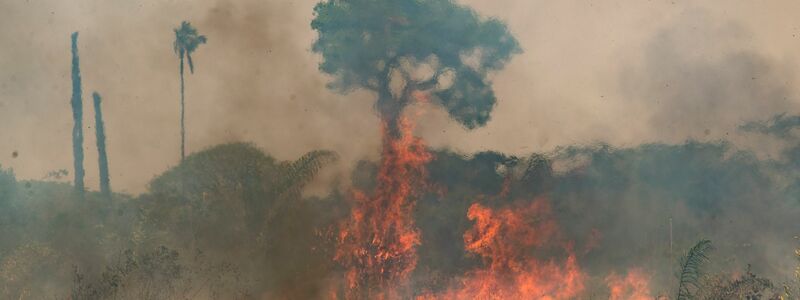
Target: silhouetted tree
77,117
386,47
186,41
102,157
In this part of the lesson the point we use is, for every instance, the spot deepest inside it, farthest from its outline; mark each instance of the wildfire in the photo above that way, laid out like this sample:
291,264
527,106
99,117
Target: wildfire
506,239
524,253
634,286
377,244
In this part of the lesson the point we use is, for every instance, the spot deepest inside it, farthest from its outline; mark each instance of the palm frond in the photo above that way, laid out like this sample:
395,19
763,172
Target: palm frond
691,269
302,171
296,175
187,40
191,65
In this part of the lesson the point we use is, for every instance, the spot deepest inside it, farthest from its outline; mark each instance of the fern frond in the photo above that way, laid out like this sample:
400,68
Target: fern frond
302,171
691,269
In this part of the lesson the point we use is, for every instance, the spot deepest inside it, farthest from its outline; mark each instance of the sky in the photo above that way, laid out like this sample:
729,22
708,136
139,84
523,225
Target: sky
622,72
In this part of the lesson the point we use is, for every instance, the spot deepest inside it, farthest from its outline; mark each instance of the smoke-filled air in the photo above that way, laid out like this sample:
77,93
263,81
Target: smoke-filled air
399,149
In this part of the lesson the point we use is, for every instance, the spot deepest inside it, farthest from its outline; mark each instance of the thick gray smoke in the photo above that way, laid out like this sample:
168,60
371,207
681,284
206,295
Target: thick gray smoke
693,105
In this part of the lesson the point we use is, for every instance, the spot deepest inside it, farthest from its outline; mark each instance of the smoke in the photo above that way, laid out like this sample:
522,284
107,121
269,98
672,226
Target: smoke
257,80
404,52
617,205
694,105
698,79
260,82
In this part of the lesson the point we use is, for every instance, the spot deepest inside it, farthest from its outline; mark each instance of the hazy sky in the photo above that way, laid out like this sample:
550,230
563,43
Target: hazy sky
622,72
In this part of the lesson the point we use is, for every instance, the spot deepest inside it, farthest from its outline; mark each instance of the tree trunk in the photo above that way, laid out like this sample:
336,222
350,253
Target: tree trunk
77,117
390,110
105,184
183,128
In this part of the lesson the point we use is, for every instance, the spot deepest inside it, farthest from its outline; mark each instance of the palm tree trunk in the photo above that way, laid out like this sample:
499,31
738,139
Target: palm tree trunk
77,117
102,157
183,128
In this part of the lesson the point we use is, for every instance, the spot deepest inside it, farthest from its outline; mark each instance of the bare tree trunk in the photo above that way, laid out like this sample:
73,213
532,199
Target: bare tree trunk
77,117
183,128
102,157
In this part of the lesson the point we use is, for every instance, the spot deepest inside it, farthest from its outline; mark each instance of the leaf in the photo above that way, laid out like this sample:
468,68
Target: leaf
302,171
191,65
691,268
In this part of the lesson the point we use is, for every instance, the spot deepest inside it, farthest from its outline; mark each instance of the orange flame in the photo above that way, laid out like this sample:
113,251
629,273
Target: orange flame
634,286
377,244
504,239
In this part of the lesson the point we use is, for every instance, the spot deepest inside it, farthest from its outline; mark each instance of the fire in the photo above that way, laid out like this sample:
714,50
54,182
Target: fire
634,286
507,240
377,244
524,253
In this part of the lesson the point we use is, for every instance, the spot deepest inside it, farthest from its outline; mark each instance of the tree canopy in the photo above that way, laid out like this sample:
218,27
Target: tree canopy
186,41
396,48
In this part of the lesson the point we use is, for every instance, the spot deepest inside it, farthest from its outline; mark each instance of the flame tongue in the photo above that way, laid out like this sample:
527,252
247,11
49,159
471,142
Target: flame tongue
634,286
504,238
377,244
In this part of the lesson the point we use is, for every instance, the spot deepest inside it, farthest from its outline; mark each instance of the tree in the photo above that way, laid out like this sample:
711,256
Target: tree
399,49
102,157
403,51
8,191
77,117
236,176
186,41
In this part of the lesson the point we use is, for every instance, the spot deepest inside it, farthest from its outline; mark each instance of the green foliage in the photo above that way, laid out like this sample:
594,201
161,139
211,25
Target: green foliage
363,42
8,186
186,41
691,269
160,273
48,231
21,268
228,223
780,125
236,179
303,170
244,211
746,286
236,203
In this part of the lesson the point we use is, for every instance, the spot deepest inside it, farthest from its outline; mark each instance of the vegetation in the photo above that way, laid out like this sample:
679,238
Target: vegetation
229,222
691,269
363,50
746,286
186,41
232,222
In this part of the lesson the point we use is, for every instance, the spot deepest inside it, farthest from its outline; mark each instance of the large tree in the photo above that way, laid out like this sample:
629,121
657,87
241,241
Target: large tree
403,51
186,41
400,48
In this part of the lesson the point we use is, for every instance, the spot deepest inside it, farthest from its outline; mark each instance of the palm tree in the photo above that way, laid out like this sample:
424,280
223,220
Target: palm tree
186,41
